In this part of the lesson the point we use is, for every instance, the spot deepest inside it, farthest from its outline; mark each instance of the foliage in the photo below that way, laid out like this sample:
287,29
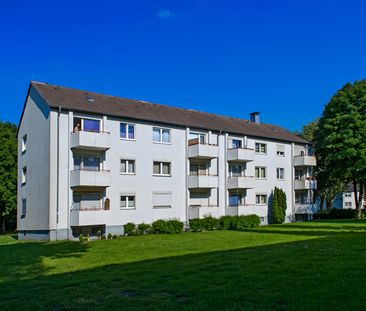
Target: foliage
8,174
225,222
340,138
167,226
278,206
241,222
103,237
308,131
99,234
207,223
336,213
109,236
114,236
143,228
81,238
129,228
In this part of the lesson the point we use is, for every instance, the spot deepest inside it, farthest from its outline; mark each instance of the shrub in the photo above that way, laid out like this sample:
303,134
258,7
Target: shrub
99,234
278,206
143,228
81,238
225,222
129,228
103,237
109,236
210,223
167,226
115,236
195,225
335,213
244,222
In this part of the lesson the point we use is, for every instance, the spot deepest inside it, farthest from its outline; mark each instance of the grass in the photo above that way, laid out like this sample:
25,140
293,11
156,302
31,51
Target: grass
300,266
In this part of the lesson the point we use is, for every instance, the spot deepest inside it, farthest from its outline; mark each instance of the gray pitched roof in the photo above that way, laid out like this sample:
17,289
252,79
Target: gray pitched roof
89,102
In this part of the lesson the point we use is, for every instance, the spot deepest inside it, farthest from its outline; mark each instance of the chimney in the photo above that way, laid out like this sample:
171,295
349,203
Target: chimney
254,117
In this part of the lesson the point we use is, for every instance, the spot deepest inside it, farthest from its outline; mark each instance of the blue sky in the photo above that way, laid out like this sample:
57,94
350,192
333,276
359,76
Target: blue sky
282,58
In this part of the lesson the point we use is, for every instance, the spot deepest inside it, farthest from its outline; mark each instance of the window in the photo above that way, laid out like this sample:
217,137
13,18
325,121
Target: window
24,143
235,199
87,163
127,166
260,172
280,173
348,194
236,170
260,148
299,174
128,201
348,204
200,136
88,125
161,168
127,131
261,199
24,175
236,143
161,135
162,199
24,207
301,197
281,150
86,201
197,169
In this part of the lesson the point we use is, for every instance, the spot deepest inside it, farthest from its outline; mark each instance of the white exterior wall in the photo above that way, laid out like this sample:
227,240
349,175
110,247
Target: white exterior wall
49,207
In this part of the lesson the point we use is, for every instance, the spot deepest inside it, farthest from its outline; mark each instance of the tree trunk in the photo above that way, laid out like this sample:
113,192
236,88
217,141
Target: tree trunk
321,204
358,210
360,196
328,203
2,230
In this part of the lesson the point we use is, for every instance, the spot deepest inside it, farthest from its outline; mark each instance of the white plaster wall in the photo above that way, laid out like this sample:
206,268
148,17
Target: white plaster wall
36,125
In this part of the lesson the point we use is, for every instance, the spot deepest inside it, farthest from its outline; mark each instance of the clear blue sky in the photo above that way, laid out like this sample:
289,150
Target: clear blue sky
282,58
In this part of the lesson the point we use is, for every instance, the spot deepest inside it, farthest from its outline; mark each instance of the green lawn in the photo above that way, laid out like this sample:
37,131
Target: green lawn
300,266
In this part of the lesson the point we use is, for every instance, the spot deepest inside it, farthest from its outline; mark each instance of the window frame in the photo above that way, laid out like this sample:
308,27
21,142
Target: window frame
260,175
23,208
82,160
24,175
162,206
127,165
261,195
161,129
127,195
283,173
259,148
127,127
236,140
161,163
24,143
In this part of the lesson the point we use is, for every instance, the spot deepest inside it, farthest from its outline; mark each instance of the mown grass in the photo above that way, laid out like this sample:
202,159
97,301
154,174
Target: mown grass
300,266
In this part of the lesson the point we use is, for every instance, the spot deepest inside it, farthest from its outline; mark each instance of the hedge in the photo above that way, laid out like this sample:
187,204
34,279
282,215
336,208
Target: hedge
336,213
224,223
167,226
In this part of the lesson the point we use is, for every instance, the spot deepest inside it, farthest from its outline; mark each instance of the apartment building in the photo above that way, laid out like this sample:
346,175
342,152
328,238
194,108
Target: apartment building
90,162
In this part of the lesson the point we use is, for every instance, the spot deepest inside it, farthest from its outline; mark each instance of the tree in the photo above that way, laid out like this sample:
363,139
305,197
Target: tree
340,142
278,206
308,131
8,173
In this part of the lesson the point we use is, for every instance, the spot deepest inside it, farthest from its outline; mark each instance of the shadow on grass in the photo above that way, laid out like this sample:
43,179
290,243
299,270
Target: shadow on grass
319,274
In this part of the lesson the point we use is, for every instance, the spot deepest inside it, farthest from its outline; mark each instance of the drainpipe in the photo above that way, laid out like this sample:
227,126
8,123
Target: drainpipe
186,175
58,169
293,182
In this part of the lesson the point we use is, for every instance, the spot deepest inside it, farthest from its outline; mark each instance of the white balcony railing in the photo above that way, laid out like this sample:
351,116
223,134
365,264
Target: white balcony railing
90,140
203,151
90,178
240,154
203,181
240,182
304,160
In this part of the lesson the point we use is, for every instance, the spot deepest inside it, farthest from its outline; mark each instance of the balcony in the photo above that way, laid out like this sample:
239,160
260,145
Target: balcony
87,217
240,154
87,178
90,140
304,160
200,211
202,151
203,181
305,208
240,182
244,209
305,184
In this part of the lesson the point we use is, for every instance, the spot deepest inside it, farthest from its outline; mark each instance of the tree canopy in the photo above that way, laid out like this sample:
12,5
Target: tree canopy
8,172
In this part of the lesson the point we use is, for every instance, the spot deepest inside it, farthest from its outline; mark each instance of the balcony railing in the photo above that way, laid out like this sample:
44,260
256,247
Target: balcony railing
203,181
240,154
240,182
97,178
305,184
305,160
97,140
197,149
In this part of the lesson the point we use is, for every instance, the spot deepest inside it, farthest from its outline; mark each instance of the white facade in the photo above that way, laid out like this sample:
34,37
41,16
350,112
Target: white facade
84,175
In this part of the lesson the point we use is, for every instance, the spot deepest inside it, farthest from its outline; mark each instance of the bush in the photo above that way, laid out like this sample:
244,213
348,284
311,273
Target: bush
210,223
109,236
195,225
335,213
167,226
278,206
244,222
115,236
103,237
143,228
99,234
226,222
81,238
129,228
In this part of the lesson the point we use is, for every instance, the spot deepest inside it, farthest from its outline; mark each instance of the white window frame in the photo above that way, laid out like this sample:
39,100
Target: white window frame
199,136
161,169
82,166
160,141
259,148
261,196
127,125
127,165
127,200
24,143
162,206
260,176
278,175
24,175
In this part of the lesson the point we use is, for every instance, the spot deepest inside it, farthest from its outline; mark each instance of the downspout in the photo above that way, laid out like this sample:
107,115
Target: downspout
293,182
58,169
68,180
225,173
186,174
